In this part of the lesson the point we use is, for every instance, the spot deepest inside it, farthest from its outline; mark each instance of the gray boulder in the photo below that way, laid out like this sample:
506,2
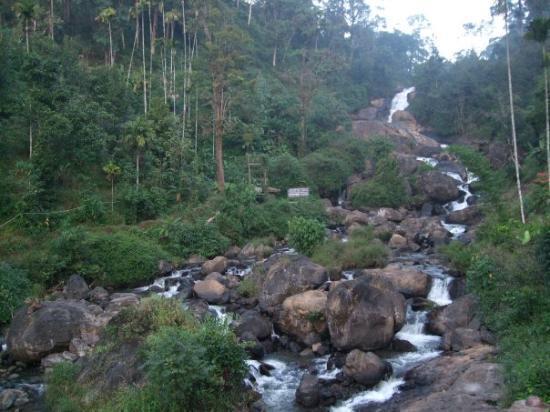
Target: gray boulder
439,187
459,314
409,282
308,393
366,368
76,288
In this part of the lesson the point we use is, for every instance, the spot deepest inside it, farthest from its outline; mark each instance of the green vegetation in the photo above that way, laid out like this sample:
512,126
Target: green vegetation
14,288
305,234
362,250
187,365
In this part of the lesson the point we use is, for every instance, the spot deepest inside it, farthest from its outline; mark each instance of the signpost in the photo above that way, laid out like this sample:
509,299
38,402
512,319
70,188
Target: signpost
296,192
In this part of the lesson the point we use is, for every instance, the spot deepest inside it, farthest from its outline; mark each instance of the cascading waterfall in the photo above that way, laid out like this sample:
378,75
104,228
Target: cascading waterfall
400,102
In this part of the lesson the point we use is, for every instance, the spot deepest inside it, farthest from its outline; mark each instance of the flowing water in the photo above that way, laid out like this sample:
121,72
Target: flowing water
400,102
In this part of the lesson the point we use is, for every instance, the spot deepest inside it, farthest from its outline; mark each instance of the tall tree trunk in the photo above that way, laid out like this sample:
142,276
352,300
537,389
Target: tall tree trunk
274,60
112,195
249,13
137,170
219,114
27,34
50,20
111,60
143,61
547,113
30,140
136,37
512,114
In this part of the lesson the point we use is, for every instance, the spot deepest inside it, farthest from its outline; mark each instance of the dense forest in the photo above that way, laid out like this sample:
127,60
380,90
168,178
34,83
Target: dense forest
133,132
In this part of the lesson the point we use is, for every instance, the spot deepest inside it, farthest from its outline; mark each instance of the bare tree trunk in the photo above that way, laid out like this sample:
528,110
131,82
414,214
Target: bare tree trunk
512,116
274,62
110,44
27,34
112,195
143,60
136,37
137,170
151,51
249,13
30,140
547,113
196,120
219,114
50,20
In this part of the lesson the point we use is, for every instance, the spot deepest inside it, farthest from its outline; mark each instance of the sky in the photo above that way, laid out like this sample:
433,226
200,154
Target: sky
446,19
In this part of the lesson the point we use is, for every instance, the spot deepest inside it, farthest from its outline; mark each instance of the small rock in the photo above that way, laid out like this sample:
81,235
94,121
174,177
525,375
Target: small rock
165,268
76,288
398,242
12,398
218,264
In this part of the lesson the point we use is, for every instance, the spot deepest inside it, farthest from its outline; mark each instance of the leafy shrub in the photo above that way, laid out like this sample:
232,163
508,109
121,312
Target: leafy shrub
305,234
327,170
64,394
459,255
92,211
186,239
286,171
14,288
385,189
142,204
247,288
361,251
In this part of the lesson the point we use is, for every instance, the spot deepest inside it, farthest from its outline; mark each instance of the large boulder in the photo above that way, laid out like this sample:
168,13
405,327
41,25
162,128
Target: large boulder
218,264
287,276
461,338
211,290
425,231
259,251
308,393
38,331
303,316
366,368
439,187
390,214
459,314
409,282
76,288
254,323
364,314
356,217
467,216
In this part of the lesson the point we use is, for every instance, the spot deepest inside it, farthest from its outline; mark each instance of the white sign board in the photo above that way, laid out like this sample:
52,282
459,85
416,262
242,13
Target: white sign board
295,192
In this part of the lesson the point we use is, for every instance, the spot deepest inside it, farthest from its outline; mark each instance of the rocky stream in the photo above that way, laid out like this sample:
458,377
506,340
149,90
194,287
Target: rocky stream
406,337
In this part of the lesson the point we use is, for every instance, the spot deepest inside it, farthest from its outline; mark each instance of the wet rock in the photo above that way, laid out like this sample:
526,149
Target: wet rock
216,276
254,323
165,268
409,282
366,368
76,288
364,315
460,339
198,308
287,276
120,301
427,210
319,349
211,291
459,314
439,187
452,167
390,214
39,331
400,345
468,216
457,288
12,398
303,316
307,393
218,264
253,347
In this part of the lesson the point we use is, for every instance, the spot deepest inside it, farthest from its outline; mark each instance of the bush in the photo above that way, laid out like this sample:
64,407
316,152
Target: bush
305,234
286,171
14,288
64,394
186,239
327,170
361,251
459,255
247,288
142,204
385,189
92,211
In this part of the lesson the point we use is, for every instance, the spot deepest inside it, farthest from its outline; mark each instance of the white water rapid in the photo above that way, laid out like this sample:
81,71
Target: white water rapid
400,102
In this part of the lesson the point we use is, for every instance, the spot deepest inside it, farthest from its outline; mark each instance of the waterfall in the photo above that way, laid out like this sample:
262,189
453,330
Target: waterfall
400,102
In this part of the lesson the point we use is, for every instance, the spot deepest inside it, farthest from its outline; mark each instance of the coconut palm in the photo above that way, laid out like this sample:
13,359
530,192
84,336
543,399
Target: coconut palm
112,171
139,134
105,17
26,10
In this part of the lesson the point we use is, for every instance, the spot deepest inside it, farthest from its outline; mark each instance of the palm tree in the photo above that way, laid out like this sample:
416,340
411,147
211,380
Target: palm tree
512,113
112,171
538,31
26,10
139,134
105,16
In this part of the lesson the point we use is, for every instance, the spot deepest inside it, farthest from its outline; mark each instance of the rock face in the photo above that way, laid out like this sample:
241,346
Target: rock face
366,368
303,316
439,187
307,393
459,314
364,315
425,231
76,288
409,282
211,291
287,276
461,338
48,329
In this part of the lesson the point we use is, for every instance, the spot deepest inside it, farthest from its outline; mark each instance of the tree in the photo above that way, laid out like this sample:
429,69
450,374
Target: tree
112,171
26,10
538,31
139,133
105,16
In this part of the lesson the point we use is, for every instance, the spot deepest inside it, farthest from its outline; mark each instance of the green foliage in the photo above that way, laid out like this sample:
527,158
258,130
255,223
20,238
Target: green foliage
286,171
142,204
247,288
186,239
118,260
459,255
14,288
92,211
385,189
64,394
362,250
327,170
305,234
